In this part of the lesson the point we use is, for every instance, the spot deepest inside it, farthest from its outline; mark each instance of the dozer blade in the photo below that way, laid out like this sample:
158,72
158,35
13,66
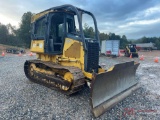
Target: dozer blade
109,88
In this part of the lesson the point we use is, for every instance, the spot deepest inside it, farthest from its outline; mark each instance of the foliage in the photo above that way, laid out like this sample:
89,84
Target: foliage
24,30
89,33
3,33
9,35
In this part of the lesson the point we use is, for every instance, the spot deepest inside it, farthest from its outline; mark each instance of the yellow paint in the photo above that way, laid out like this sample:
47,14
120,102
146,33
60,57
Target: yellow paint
41,14
41,70
65,75
68,76
68,58
128,49
110,69
88,75
73,51
37,16
77,60
100,70
37,46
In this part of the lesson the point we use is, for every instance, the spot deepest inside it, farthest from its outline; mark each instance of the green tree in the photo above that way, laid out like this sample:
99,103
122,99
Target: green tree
24,30
103,36
124,37
157,42
88,31
11,29
8,35
144,39
112,36
3,34
123,41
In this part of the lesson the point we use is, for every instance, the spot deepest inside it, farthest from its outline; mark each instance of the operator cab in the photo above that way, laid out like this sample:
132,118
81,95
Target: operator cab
61,24
132,47
53,28
56,24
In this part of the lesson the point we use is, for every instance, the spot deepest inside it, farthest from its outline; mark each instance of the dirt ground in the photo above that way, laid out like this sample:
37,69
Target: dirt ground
149,72
148,75
22,99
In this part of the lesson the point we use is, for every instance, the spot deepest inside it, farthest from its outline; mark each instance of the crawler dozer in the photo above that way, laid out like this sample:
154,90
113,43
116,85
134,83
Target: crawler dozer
66,60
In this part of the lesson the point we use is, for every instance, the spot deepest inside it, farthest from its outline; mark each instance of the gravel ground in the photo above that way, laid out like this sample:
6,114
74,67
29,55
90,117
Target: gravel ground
22,99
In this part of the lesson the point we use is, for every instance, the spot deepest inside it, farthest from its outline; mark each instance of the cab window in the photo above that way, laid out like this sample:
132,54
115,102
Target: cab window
40,28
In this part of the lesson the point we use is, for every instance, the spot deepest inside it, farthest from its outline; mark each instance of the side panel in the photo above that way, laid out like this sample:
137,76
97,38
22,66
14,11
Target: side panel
103,47
115,49
74,51
109,45
73,55
113,46
37,46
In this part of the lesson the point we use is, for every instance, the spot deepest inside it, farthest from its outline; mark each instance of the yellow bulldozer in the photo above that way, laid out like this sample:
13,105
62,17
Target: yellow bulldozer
67,60
131,50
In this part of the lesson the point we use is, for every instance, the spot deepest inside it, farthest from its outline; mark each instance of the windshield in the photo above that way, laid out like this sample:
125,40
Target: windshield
87,26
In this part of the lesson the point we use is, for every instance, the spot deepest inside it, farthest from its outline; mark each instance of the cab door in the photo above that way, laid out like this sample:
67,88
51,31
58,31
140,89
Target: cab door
55,36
